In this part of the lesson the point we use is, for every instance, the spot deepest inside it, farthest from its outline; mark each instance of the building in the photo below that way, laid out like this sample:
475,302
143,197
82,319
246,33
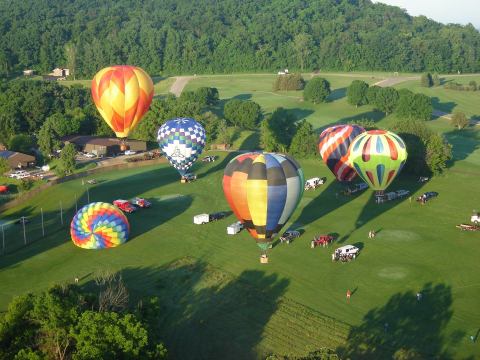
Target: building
28,72
102,146
18,160
60,72
2,147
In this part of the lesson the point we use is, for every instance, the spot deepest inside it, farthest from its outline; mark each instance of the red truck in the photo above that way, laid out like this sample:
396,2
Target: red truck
124,205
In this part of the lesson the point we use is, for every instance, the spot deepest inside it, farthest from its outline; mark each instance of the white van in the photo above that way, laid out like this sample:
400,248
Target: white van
201,219
347,250
234,228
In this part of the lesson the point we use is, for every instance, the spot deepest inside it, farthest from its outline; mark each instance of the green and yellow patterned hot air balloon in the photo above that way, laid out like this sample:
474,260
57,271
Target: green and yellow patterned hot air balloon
378,157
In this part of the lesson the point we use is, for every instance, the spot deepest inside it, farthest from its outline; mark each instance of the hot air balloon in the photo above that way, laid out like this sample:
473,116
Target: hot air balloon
122,94
378,157
99,225
181,140
263,190
333,148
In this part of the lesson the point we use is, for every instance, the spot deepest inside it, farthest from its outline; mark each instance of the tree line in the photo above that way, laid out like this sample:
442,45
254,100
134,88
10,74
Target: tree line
172,37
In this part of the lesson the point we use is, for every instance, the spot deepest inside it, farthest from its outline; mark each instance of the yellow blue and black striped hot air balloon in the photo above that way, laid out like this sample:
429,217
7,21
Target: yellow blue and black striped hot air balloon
99,225
263,190
122,95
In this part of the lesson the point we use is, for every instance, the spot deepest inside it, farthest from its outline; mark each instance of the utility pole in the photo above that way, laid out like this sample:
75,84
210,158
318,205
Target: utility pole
61,213
43,228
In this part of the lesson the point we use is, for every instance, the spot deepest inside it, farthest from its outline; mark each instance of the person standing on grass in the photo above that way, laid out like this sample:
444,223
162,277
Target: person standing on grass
349,294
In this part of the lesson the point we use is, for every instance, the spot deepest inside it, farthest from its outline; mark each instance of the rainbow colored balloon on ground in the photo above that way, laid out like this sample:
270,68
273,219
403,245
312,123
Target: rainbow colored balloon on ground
378,156
122,95
98,226
263,190
333,146
182,141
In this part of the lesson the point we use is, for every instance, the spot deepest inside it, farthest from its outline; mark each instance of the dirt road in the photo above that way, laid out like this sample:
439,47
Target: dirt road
179,84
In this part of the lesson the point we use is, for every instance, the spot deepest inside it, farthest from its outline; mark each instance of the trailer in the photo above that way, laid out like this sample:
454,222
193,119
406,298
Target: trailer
201,219
234,228
315,182
355,189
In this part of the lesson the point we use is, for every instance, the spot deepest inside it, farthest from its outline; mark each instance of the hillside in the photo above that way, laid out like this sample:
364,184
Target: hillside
206,36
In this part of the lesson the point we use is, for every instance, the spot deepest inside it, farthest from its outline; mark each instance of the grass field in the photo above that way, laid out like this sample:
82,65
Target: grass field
450,100
217,296
288,305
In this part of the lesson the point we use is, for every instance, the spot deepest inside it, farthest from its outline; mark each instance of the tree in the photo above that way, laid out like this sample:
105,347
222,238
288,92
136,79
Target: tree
414,106
473,85
71,57
372,94
244,114
21,143
386,99
304,142
426,80
357,93
47,142
67,159
4,166
277,130
436,80
439,152
223,133
302,44
316,90
459,120
407,354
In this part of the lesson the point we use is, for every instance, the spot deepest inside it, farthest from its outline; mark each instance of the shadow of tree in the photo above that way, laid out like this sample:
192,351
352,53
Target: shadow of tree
373,115
405,323
242,97
206,313
337,94
251,142
464,143
447,106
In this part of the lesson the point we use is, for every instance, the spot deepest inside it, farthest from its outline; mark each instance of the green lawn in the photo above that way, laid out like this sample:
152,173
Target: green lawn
215,293
450,100
417,248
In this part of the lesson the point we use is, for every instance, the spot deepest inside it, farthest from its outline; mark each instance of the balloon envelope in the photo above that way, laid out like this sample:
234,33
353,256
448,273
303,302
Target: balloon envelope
181,140
263,190
378,157
99,225
333,148
122,95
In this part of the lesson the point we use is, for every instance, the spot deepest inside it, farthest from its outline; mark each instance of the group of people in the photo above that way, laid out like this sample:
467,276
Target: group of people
342,257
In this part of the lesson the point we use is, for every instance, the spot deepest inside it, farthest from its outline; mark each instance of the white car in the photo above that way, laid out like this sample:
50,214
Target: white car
347,250
130,152
475,218
188,177
201,219
89,155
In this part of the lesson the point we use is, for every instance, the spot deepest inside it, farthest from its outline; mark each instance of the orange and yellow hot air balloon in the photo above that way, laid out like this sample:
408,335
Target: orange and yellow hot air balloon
122,94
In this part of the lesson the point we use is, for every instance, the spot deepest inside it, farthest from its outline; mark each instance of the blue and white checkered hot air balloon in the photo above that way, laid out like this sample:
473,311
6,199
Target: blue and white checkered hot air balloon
182,141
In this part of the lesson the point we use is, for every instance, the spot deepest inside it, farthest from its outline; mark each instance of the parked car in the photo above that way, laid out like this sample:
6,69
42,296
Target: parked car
124,205
141,202
210,158
234,228
475,218
315,182
289,235
188,178
217,216
91,182
90,155
130,152
402,193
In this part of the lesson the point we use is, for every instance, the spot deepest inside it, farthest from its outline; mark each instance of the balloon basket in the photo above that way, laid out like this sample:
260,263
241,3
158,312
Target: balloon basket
263,259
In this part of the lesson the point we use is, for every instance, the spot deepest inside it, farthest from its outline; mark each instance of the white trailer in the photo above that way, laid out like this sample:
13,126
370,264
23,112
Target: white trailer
234,228
201,219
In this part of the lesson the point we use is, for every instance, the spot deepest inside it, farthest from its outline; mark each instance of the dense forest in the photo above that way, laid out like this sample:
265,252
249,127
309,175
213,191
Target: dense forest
211,36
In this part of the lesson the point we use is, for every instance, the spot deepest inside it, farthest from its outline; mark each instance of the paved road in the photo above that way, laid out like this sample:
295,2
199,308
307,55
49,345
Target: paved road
396,80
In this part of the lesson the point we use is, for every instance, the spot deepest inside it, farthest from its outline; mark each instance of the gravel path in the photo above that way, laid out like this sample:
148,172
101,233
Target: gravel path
179,84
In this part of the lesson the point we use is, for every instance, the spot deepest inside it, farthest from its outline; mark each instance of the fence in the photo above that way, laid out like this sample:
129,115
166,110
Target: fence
18,233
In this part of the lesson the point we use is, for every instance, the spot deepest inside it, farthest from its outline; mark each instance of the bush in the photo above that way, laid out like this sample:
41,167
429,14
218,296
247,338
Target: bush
372,94
289,82
304,142
386,99
472,86
367,124
317,90
25,185
436,80
414,106
244,114
277,130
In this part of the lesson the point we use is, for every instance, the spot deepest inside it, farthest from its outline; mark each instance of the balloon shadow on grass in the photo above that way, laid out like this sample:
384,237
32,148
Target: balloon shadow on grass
205,312
405,323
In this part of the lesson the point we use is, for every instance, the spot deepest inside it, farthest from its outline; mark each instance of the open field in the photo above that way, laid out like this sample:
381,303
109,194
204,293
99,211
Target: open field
417,248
